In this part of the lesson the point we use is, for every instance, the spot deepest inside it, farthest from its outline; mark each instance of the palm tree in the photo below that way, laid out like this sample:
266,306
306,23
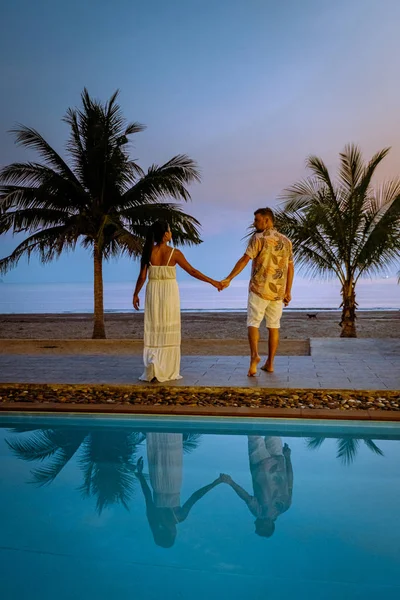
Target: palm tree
345,228
108,462
347,447
106,458
98,197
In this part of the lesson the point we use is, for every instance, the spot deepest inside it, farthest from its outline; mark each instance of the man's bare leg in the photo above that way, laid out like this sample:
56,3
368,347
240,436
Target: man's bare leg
253,335
273,341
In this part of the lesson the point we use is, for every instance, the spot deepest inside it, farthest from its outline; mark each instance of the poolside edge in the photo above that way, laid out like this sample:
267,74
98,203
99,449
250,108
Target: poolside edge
41,404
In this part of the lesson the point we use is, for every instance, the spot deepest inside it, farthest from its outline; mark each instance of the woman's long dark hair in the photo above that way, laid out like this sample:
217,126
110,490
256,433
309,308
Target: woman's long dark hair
154,235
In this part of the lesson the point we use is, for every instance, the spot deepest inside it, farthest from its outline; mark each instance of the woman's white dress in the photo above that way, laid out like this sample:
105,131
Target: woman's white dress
162,325
165,458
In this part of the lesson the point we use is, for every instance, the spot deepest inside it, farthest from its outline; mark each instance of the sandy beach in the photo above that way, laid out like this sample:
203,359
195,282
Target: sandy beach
216,326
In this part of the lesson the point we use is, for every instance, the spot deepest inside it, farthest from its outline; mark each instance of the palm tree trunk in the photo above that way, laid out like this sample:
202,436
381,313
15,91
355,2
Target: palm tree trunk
98,324
349,304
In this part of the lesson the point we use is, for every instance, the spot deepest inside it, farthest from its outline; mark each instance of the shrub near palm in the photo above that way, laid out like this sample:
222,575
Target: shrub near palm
344,227
98,197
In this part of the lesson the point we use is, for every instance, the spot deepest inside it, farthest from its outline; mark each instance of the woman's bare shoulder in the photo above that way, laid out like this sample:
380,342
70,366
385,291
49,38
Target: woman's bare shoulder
176,257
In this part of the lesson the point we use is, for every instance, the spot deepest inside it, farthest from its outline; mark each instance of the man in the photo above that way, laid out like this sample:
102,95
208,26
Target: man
272,477
270,284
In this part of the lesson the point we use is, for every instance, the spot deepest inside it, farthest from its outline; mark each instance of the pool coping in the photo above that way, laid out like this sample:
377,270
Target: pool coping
203,411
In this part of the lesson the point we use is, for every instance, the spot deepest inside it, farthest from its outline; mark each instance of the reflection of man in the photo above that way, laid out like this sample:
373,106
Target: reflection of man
272,475
163,507
270,284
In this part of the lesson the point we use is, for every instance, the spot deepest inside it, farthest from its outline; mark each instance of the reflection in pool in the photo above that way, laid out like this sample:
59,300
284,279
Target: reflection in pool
169,508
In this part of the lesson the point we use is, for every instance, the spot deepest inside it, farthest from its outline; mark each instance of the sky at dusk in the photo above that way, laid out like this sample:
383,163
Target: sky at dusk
247,88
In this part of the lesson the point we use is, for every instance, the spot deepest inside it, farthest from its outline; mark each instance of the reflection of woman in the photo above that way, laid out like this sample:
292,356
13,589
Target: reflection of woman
162,318
163,507
272,476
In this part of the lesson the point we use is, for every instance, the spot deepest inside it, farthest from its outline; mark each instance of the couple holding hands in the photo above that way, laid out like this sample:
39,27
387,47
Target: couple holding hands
269,290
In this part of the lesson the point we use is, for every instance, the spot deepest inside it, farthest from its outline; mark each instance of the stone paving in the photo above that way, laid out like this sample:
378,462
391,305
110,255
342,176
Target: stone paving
333,364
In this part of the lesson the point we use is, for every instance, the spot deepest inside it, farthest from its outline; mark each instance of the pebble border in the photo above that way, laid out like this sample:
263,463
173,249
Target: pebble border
120,398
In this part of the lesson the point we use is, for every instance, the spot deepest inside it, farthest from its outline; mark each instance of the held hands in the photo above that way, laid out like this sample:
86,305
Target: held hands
225,283
221,285
225,478
136,301
217,284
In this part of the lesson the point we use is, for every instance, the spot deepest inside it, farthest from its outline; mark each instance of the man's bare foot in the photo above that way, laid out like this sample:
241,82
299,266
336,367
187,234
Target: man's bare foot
253,366
268,367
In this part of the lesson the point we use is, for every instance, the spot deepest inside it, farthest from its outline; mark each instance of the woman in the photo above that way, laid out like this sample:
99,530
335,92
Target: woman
164,509
162,317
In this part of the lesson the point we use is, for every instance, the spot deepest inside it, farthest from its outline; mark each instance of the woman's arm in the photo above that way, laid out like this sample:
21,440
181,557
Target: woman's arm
195,497
139,284
183,263
143,483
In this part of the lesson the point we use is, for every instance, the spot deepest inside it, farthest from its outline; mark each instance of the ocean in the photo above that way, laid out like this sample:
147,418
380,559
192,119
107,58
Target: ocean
377,294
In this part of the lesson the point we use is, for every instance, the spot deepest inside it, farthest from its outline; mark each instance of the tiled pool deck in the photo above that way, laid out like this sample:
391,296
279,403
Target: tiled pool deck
333,364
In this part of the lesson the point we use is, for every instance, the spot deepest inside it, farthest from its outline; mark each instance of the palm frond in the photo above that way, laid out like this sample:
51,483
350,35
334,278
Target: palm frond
347,447
117,240
30,138
301,195
24,428
314,443
379,243
168,181
31,219
191,442
58,445
48,244
321,176
373,447
347,450
369,171
37,446
30,185
184,227
351,167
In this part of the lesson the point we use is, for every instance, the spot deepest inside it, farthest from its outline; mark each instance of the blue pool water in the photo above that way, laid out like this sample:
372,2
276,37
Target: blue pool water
304,510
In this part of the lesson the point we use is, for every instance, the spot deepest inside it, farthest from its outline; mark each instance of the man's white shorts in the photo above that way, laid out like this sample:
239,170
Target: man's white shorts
260,448
258,308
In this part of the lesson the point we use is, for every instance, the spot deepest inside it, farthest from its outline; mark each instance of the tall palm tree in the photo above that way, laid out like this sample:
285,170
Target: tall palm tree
343,228
98,196
347,447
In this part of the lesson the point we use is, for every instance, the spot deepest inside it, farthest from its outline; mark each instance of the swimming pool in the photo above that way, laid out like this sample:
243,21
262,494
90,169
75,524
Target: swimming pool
95,507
